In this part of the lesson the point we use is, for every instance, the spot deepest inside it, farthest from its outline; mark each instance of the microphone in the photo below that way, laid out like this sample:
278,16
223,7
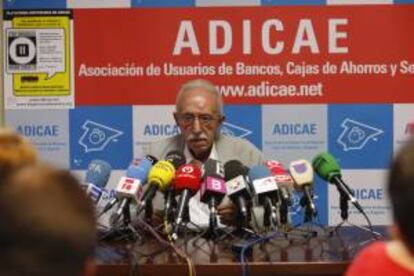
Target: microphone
283,179
96,178
238,188
177,159
187,182
328,169
285,184
267,193
213,189
137,170
160,177
302,174
130,186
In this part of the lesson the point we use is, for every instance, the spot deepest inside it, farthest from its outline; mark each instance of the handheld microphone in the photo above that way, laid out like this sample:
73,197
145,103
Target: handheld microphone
96,178
328,169
160,177
267,193
187,182
285,183
176,158
237,187
137,170
213,189
130,186
283,179
302,174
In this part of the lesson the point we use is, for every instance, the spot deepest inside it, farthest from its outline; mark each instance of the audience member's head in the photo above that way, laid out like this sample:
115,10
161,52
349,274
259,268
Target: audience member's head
15,151
401,191
47,224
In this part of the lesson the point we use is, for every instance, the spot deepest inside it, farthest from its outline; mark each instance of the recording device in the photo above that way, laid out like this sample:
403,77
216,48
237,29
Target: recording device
328,169
213,188
267,193
96,178
187,182
302,174
236,177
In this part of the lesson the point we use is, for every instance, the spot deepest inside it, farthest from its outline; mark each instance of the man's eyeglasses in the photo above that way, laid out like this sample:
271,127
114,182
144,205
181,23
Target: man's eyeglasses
187,119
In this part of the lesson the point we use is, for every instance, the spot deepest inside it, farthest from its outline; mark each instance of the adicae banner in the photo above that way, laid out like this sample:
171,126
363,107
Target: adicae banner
255,55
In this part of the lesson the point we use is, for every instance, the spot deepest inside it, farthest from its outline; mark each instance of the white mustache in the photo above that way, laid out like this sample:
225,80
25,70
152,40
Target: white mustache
193,136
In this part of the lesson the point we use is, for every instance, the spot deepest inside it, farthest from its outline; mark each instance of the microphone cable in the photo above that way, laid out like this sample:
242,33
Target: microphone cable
250,244
180,253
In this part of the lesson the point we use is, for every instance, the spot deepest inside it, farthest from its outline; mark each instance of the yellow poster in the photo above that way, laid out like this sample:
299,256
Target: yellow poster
39,62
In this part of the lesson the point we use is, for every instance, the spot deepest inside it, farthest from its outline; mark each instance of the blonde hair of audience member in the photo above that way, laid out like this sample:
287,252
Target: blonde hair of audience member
47,224
15,151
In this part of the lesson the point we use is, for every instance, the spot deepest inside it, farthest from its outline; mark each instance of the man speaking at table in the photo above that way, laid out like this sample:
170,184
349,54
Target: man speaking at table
199,115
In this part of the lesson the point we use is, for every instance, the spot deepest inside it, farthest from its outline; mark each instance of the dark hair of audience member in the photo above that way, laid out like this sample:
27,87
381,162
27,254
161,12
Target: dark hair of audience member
47,223
401,191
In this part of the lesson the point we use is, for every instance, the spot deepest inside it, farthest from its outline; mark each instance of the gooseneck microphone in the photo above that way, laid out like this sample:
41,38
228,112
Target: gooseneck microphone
236,177
213,189
302,174
187,182
267,193
326,166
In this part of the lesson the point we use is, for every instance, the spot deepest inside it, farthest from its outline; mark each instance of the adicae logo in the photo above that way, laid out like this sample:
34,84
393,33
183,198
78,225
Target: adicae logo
356,135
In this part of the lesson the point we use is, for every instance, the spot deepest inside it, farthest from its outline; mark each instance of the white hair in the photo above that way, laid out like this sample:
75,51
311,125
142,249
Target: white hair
203,84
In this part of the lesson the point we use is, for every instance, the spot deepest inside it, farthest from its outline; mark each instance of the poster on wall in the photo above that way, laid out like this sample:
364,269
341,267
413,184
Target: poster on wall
38,59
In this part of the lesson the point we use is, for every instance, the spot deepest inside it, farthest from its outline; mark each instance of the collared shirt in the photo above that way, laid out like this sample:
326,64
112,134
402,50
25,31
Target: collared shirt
199,212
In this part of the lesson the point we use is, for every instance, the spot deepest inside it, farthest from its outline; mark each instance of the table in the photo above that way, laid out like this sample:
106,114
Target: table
300,253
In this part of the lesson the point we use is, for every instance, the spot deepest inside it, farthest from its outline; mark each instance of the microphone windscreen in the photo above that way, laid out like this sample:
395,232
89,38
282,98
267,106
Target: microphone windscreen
258,172
98,173
301,172
188,177
176,158
233,169
161,174
139,169
326,166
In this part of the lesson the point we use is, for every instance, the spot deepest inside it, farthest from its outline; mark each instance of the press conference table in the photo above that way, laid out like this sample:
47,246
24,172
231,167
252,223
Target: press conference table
297,254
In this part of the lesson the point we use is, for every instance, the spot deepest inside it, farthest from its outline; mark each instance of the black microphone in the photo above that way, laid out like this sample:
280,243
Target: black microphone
176,158
236,176
267,192
213,189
